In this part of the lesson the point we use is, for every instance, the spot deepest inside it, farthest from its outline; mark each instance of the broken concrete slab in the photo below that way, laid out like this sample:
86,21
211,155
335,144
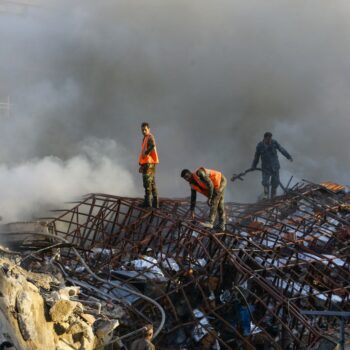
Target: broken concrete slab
62,310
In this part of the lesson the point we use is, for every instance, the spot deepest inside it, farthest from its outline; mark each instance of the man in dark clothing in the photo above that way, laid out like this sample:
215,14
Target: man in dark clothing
148,160
212,184
267,150
144,343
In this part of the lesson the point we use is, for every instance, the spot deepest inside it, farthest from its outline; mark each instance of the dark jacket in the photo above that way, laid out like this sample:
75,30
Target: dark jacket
268,155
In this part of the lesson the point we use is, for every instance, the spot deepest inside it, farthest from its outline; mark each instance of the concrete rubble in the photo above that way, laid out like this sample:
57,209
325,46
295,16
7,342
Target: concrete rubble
95,274
37,311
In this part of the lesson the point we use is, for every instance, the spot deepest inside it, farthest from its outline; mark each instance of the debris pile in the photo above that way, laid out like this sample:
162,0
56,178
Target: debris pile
245,288
38,312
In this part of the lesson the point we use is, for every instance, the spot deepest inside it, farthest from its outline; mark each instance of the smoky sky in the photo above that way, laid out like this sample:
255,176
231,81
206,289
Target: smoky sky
210,76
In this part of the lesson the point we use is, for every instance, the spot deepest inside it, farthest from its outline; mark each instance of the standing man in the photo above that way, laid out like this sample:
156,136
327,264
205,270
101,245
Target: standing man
147,161
212,184
267,150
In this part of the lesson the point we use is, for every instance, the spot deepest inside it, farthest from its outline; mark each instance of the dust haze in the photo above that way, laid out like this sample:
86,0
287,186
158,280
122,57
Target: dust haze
210,77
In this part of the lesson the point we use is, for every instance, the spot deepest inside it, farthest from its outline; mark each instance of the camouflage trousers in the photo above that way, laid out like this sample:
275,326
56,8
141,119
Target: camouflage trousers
218,203
148,179
149,184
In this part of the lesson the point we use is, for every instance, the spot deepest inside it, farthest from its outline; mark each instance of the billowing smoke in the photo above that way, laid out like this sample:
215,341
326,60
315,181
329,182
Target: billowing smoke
210,76
34,186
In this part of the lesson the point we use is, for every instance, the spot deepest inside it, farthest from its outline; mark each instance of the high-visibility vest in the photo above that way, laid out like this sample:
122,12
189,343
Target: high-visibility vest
200,186
152,157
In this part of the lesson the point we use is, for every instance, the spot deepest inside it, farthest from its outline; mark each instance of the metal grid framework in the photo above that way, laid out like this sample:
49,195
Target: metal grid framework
241,288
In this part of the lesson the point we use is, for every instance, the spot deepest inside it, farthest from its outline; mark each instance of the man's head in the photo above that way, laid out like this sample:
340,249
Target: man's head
148,331
186,174
267,137
145,129
6,345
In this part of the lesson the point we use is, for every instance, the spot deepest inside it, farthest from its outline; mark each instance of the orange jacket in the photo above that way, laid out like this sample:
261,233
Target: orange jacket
200,186
152,157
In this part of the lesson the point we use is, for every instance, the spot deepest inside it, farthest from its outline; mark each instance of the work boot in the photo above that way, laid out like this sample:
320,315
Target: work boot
207,224
146,202
155,202
266,192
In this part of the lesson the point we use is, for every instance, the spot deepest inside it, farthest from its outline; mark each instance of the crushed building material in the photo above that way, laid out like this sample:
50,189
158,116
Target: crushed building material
36,312
245,288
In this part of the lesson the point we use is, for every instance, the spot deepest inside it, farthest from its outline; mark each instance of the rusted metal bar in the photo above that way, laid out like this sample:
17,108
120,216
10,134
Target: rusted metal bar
274,259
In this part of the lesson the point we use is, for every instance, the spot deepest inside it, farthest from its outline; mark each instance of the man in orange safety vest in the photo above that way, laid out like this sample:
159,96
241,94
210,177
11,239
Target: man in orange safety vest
147,161
211,184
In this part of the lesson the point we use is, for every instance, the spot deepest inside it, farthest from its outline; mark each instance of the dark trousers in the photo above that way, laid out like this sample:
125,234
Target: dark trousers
270,177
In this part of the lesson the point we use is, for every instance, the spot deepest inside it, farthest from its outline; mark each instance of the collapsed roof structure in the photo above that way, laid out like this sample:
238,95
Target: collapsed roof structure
245,288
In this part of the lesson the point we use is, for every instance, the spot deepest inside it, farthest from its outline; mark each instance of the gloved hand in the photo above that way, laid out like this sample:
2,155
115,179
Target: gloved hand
210,202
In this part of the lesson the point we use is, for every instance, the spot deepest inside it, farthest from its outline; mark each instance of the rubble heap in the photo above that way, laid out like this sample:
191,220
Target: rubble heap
245,288
38,311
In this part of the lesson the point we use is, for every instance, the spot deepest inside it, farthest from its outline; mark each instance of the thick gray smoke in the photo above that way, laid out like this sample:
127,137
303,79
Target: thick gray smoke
210,76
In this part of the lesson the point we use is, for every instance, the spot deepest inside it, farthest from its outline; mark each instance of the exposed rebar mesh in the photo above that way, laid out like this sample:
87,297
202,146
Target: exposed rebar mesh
242,288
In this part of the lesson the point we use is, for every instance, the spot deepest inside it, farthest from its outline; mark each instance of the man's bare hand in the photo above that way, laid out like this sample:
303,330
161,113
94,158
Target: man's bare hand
192,214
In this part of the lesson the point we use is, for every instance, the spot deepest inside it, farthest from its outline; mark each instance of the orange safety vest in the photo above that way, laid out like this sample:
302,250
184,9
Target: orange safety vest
200,186
151,158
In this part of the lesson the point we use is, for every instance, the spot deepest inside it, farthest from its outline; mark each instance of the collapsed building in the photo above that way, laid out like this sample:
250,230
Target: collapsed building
114,266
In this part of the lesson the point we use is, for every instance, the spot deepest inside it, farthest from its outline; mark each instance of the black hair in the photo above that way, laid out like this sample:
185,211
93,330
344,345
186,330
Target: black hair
6,344
145,124
184,172
267,134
